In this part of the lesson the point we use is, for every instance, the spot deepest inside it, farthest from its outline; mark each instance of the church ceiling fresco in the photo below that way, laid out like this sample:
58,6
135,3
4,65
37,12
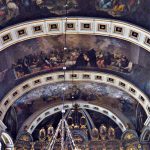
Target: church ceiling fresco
16,11
41,55
118,7
105,95
76,91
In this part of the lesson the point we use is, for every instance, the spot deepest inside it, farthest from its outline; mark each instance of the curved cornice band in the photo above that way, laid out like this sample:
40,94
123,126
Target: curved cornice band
89,76
56,26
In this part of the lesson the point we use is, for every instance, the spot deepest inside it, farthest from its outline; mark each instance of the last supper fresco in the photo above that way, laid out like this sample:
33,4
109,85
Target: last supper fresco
16,11
97,53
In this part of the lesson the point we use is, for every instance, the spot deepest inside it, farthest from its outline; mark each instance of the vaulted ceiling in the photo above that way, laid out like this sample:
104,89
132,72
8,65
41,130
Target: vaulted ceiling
106,59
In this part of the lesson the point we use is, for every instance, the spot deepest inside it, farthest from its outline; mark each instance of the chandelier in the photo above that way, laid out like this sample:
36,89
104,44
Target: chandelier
63,128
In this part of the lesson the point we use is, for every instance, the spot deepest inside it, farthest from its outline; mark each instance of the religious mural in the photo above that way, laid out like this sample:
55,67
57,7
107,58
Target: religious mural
42,55
8,11
105,95
58,6
16,11
46,54
12,9
118,7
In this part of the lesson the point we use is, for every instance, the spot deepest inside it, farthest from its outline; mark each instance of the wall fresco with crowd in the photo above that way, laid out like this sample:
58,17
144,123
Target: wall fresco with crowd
74,58
44,54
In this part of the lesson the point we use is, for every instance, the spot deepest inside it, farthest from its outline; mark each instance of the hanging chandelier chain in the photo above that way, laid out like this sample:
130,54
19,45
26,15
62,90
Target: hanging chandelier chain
66,17
63,134
64,69
54,138
72,143
64,126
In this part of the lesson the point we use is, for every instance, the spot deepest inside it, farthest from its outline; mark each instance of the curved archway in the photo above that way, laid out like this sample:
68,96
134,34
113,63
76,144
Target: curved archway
7,141
129,132
145,136
39,117
55,77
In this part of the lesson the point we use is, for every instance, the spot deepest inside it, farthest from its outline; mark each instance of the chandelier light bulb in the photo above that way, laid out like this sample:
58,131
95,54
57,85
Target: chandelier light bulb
64,68
63,110
65,48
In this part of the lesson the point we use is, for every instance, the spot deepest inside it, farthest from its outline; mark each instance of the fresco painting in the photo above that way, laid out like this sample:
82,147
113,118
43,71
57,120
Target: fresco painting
58,6
92,53
8,11
17,11
118,7
105,95
44,54
76,55
12,9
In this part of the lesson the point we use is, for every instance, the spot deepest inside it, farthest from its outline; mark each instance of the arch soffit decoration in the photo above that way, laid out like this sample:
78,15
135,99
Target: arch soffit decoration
7,140
133,132
85,105
145,132
55,77
104,27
